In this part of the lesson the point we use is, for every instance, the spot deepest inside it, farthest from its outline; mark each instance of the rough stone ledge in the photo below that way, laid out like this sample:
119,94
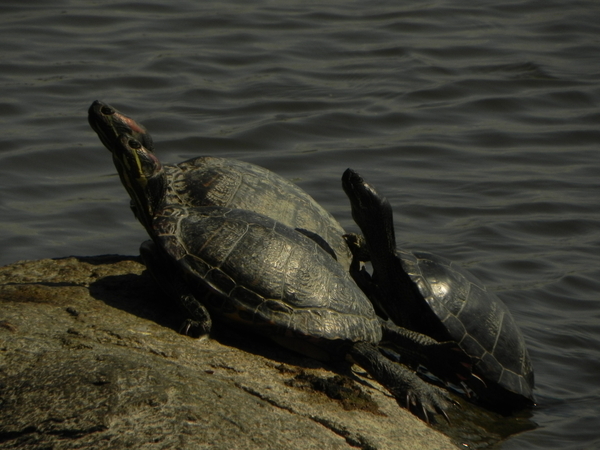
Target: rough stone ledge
90,358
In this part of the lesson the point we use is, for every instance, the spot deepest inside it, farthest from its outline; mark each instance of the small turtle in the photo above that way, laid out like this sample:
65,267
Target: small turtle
431,295
212,181
247,270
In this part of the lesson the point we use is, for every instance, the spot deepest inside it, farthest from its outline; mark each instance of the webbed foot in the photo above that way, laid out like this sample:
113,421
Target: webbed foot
170,280
411,392
358,246
425,400
194,329
448,361
199,326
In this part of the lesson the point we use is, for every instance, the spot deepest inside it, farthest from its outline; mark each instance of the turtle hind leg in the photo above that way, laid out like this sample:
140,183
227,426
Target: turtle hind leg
199,322
410,391
446,360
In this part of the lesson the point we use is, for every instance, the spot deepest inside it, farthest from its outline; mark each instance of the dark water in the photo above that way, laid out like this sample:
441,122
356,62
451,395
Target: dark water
478,120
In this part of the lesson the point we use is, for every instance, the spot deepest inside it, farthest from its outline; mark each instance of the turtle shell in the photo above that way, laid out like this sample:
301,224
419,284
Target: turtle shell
265,275
212,181
476,319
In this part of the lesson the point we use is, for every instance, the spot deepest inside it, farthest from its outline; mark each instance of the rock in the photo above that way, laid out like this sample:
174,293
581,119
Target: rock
90,357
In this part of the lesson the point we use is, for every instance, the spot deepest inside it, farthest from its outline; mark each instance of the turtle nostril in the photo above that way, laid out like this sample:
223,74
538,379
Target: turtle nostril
107,111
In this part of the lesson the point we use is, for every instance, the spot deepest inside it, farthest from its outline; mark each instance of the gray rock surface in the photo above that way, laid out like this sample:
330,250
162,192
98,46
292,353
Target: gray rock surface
90,358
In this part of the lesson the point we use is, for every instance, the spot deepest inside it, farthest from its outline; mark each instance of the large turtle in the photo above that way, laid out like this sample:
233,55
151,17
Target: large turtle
432,295
247,270
212,181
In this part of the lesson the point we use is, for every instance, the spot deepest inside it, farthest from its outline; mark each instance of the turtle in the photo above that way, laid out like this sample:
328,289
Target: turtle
434,296
214,181
249,271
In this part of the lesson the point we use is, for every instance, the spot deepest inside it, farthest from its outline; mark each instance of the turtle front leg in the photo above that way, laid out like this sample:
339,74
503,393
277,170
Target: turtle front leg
410,391
199,323
362,278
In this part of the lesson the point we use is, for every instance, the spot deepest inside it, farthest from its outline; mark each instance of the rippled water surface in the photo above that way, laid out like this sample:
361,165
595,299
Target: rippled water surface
478,120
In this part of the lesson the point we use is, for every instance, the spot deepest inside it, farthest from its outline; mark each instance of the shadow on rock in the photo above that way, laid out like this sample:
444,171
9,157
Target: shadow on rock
137,294
140,295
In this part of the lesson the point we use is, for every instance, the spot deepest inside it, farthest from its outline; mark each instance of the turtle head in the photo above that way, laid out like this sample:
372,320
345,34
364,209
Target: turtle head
371,212
109,124
143,176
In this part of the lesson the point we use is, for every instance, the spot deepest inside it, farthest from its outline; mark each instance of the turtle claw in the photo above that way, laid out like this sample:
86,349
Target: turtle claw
443,413
416,407
190,328
471,386
480,380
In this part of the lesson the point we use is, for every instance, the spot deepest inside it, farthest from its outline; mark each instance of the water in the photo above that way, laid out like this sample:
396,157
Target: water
478,120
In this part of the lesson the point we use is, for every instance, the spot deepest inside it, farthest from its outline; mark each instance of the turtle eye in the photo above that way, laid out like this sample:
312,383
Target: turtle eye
107,111
134,144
